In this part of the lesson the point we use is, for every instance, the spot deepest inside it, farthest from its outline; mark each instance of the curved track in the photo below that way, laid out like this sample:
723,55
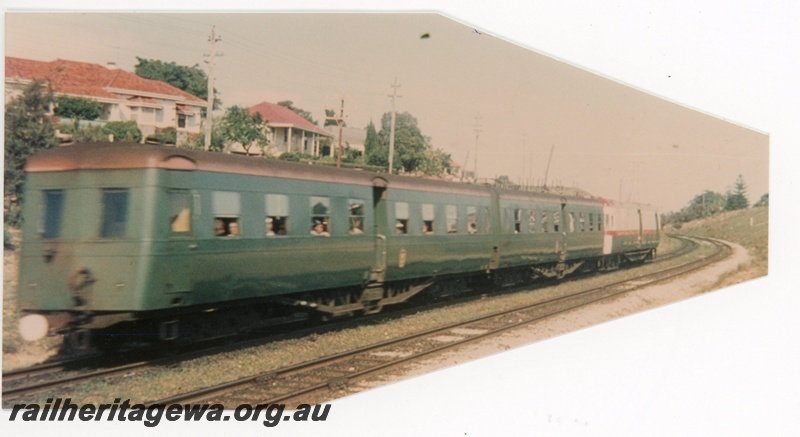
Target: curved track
21,382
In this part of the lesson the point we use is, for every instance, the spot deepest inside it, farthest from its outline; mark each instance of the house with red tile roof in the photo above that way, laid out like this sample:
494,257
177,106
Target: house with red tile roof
152,104
290,131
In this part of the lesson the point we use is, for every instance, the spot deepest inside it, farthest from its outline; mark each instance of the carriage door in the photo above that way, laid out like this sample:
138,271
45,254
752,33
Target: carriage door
565,228
181,242
379,208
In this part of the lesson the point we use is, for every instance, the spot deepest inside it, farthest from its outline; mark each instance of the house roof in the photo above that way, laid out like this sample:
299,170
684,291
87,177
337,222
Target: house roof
92,80
276,114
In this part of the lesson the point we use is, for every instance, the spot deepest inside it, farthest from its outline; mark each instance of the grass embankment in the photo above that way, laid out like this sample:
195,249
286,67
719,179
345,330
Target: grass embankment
747,227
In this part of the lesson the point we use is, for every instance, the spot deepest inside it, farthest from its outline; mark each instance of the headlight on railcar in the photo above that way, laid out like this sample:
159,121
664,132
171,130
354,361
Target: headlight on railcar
33,327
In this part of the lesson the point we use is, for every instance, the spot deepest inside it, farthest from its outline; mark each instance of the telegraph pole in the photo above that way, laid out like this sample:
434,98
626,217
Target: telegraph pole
477,134
213,39
394,95
340,122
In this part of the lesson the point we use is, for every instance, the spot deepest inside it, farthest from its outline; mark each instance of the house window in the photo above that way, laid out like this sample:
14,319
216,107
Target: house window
277,214
181,121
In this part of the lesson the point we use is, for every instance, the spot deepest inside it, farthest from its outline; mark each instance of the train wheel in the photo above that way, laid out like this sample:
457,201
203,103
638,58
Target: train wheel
77,342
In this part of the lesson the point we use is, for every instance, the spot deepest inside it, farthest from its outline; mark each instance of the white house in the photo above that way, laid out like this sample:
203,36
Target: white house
152,104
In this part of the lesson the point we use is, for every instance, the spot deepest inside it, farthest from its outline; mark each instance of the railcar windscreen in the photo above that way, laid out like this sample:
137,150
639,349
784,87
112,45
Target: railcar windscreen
115,212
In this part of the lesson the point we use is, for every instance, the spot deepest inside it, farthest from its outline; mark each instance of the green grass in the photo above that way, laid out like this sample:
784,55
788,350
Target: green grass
747,227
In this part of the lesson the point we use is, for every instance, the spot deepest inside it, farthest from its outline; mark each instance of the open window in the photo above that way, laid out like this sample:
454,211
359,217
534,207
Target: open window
180,215
428,218
276,211
320,216
472,220
356,208
451,214
401,218
227,211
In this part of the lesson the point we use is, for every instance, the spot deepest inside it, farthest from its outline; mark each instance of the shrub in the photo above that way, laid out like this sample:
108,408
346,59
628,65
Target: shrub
126,131
164,136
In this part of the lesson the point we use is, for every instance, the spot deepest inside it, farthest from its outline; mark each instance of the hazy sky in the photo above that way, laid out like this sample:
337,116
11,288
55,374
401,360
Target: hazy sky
607,138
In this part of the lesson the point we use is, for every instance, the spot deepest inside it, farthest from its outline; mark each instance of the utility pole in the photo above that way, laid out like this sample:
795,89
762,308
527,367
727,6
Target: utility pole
477,134
394,96
213,39
548,164
340,122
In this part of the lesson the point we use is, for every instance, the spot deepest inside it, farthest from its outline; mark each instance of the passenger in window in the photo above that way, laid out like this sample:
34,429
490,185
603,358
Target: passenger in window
219,228
400,227
270,226
233,229
319,230
427,227
472,228
356,227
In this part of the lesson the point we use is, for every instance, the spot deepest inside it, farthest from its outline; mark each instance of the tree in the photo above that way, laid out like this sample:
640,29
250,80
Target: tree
78,108
738,198
763,201
28,128
240,126
706,204
329,114
409,143
192,79
305,114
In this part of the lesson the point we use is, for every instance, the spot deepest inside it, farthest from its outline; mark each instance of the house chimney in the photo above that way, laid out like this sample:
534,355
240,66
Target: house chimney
111,65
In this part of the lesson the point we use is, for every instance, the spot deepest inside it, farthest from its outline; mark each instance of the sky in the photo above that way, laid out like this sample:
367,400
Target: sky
723,363
478,94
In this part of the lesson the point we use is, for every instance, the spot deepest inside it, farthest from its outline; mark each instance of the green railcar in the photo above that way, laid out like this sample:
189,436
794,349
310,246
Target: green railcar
157,241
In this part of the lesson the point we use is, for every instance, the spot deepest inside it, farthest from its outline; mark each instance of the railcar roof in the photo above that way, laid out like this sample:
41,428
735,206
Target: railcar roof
113,156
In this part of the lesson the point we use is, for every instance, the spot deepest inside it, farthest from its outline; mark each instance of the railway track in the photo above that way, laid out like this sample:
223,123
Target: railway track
318,380
63,374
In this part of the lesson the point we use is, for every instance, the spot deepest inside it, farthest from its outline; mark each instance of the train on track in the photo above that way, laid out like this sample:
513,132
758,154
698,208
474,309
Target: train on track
149,242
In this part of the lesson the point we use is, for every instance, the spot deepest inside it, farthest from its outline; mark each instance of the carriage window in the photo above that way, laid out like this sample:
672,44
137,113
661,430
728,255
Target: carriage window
531,221
556,220
599,222
115,212
401,218
582,222
227,210
180,215
50,224
451,213
428,217
356,217
472,219
545,222
517,220
321,216
591,221
487,220
276,209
